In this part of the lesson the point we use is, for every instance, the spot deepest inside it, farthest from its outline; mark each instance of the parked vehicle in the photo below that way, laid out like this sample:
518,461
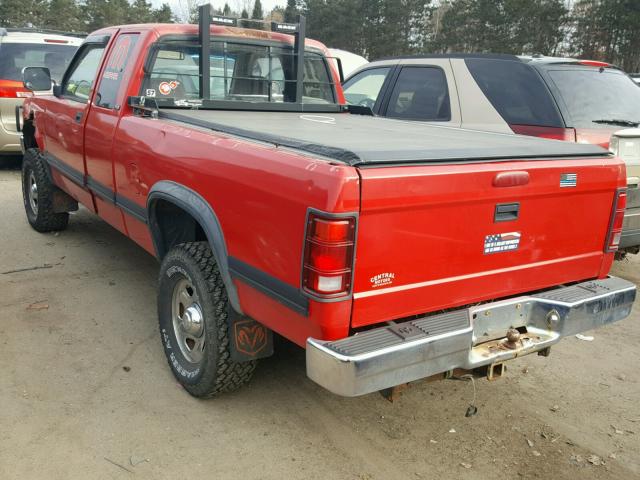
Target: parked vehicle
348,60
392,251
20,48
580,101
625,144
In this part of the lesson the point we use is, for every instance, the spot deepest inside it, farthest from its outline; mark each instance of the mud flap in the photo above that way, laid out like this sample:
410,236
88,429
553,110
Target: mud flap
249,340
63,202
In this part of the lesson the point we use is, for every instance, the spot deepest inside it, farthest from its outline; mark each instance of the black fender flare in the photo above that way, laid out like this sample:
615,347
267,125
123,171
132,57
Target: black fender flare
192,203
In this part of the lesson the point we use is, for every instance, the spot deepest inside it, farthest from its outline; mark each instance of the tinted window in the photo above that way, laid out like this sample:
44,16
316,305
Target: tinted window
420,93
114,71
79,82
591,94
516,91
364,88
15,56
241,72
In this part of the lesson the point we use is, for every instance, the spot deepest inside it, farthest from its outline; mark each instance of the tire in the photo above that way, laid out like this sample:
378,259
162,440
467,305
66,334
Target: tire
37,195
192,312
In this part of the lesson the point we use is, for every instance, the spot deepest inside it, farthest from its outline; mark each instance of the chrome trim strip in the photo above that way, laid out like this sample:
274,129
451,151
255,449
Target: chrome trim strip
429,283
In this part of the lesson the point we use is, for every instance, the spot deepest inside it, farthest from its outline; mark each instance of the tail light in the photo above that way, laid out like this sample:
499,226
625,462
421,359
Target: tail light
328,255
13,89
554,133
617,218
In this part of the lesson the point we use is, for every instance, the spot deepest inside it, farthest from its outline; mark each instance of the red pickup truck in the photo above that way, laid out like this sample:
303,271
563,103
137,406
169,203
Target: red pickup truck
391,250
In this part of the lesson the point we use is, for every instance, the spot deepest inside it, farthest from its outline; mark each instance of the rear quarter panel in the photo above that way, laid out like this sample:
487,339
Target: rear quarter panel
260,194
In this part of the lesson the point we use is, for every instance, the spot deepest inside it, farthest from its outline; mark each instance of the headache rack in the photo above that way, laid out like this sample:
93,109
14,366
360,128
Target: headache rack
295,83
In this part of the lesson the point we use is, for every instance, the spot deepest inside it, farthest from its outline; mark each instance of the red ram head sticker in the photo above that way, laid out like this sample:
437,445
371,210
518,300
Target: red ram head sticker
251,337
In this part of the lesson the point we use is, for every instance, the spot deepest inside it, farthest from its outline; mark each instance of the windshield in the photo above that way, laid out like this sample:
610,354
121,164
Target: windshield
15,56
240,72
595,97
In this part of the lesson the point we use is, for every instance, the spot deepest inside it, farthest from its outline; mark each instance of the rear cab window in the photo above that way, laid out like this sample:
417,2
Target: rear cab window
420,93
516,91
15,56
238,72
594,96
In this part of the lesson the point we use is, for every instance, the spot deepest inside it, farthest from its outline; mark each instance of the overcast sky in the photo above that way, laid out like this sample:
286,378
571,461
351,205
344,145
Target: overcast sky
179,6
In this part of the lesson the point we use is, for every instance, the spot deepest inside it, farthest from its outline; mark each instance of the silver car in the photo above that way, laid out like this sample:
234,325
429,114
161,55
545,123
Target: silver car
20,48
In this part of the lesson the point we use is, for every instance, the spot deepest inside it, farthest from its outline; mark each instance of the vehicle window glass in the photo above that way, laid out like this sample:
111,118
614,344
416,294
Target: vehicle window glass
363,89
239,72
79,82
114,71
15,56
516,91
420,93
593,94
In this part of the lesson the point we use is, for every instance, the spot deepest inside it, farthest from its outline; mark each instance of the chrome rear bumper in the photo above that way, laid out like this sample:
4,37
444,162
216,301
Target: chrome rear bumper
467,338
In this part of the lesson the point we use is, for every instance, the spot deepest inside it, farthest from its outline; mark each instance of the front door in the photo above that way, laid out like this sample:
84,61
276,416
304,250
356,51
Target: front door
108,104
66,115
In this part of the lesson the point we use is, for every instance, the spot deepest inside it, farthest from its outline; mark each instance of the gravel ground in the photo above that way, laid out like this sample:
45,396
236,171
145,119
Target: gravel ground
85,391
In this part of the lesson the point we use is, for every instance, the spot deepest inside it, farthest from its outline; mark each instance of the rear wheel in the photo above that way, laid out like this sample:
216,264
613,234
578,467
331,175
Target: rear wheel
37,194
192,311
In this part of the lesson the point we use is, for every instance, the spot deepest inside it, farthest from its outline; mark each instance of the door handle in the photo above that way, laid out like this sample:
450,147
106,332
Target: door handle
78,117
506,212
511,179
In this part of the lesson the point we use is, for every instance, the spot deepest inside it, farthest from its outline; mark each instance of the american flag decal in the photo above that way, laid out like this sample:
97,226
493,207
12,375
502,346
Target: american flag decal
568,179
501,242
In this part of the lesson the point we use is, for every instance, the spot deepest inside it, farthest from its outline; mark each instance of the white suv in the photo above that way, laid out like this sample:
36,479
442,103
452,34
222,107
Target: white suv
27,47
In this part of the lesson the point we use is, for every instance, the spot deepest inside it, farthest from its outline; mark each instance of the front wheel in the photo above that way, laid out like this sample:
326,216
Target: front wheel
37,195
192,311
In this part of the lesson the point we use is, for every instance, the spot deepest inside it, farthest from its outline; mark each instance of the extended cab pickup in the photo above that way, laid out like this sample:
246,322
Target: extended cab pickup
391,250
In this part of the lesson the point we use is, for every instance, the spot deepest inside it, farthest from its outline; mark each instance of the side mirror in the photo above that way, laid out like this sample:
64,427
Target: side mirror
36,79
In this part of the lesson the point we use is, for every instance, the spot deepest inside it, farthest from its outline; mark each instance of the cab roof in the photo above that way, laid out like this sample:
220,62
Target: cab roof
168,29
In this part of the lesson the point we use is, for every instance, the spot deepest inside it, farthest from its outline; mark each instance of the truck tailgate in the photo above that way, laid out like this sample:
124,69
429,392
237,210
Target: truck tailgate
432,237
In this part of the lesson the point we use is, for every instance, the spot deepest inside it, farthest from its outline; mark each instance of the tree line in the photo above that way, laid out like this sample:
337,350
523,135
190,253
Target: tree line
606,30
80,16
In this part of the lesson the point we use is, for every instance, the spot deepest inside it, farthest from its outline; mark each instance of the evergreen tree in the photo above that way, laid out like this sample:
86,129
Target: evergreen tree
63,15
140,12
244,13
22,13
163,14
502,26
291,12
226,11
608,30
257,13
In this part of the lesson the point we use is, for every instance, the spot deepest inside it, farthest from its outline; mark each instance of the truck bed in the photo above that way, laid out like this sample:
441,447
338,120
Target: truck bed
359,140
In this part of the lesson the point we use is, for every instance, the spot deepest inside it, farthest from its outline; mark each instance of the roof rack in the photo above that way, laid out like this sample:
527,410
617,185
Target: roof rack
489,56
4,31
206,18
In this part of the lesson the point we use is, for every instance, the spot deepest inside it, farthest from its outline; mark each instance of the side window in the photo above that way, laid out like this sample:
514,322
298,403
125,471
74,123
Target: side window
114,71
79,82
364,88
516,91
420,93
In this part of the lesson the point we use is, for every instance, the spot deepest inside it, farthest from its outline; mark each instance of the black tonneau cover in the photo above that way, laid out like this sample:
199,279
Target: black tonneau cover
364,140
